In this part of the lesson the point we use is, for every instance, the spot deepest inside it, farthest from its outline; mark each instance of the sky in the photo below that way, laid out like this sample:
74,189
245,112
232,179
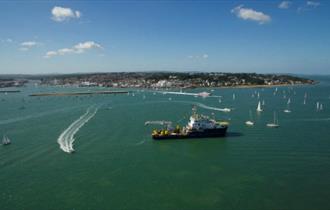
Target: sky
110,36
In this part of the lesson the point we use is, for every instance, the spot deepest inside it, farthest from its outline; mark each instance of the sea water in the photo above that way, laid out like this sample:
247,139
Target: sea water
116,164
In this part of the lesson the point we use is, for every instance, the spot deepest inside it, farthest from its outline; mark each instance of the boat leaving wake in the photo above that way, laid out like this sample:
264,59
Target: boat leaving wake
66,139
213,108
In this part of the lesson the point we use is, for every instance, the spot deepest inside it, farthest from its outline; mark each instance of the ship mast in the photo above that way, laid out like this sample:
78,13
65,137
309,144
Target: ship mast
194,111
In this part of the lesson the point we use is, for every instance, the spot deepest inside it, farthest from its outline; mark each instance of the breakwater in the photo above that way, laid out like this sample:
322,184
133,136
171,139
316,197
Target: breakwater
78,93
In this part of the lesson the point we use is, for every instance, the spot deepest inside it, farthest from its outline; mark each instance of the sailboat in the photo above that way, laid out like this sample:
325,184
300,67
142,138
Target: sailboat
250,122
317,106
259,107
287,110
274,124
321,107
263,102
234,96
5,140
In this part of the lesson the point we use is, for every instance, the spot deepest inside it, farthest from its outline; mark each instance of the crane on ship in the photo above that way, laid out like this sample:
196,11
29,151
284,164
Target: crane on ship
168,124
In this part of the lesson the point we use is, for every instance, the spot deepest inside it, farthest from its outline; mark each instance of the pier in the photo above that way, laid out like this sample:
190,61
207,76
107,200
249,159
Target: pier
78,93
10,91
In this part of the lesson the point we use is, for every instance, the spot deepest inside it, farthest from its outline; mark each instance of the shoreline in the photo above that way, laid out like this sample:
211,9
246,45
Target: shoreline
266,86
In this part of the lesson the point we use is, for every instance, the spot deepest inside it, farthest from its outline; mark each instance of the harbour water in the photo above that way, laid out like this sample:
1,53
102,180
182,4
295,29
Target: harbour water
116,164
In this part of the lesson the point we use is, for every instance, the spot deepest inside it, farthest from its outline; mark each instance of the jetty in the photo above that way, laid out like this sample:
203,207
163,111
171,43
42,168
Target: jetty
78,93
10,91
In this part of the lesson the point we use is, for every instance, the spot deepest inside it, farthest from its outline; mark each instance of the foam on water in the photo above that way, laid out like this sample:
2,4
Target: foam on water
66,139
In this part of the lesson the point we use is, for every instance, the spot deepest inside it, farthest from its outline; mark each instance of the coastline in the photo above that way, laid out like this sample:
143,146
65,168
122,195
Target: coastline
267,86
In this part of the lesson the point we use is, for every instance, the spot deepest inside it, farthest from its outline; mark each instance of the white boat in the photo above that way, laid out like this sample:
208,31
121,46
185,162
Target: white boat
259,107
321,107
234,96
317,106
263,102
274,124
5,140
287,110
250,122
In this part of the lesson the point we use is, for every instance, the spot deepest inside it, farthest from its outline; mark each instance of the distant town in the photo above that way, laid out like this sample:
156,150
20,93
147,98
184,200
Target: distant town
159,80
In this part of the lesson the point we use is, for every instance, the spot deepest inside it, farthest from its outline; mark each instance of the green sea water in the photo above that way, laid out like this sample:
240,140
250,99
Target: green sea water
118,166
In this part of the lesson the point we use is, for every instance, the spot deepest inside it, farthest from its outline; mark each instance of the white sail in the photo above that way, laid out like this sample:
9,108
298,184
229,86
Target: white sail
250,122
317,106
5,140
289,101
263,102
259,107
234,96
275,123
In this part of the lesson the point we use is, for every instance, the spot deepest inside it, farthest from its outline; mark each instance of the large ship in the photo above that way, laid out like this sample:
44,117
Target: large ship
199,126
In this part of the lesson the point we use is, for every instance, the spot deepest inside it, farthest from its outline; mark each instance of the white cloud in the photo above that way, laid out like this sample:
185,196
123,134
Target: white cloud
65,51
77,49
8,40
50,54
310,5
250,14
25,46
81,47
203,56
29,44
285,5
60,14
313,4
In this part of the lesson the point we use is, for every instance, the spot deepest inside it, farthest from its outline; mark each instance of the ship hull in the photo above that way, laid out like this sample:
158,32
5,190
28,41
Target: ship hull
208,133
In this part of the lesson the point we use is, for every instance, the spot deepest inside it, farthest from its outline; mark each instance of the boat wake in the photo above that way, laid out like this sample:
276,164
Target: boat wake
66,139
213,108
141,142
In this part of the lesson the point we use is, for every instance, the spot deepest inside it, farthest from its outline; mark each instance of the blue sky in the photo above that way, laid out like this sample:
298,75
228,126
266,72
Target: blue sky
106,36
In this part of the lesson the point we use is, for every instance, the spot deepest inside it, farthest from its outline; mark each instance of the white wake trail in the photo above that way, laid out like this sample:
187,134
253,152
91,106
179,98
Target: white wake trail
212,108
66,139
